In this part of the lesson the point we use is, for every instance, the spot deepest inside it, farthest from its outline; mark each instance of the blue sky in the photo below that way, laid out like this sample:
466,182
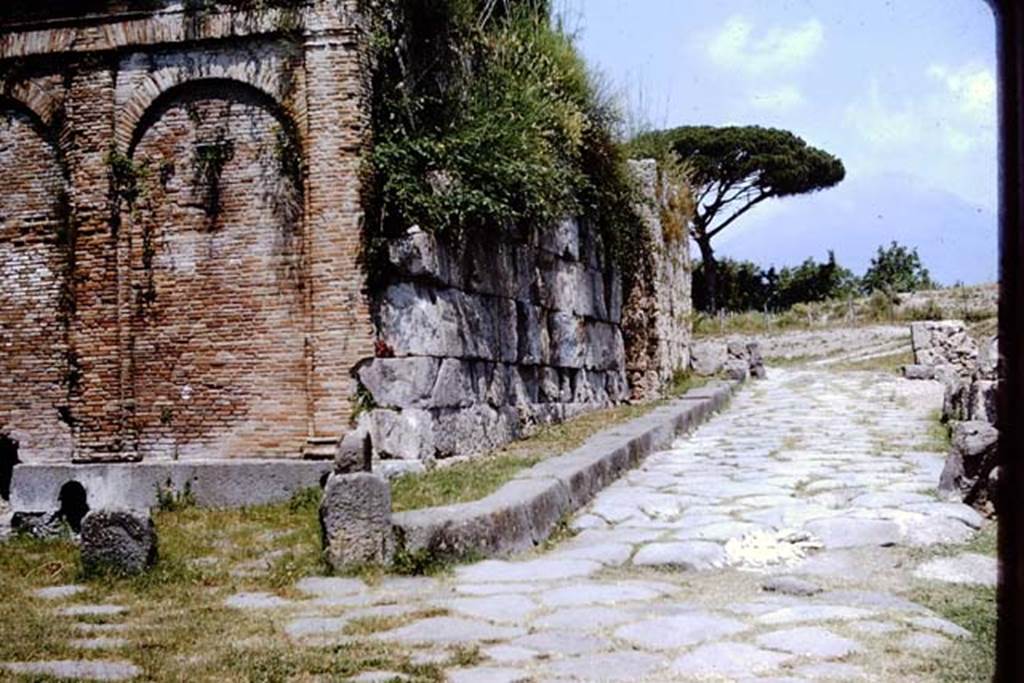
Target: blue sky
903,91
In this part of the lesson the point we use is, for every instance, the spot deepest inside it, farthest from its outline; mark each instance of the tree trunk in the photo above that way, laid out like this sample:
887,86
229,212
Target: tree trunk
707,256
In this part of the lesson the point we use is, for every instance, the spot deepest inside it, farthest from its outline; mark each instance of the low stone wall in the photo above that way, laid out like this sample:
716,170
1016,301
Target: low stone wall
525,511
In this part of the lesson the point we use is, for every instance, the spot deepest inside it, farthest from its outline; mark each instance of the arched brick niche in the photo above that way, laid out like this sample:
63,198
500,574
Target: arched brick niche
34,301
217,276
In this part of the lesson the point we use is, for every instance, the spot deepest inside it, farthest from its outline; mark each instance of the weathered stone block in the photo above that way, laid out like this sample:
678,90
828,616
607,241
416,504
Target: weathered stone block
419,255
981,401
919,372
456,385
603,346
532,333
473,430
400,382
118,541
567,340
988,359
707,358
737,369
944,342
355,521
406,434
355,451
562,239
972,439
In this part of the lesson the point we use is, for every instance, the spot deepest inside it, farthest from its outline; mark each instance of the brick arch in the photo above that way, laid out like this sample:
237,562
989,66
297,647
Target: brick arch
33,98
204,67
217,276
34,267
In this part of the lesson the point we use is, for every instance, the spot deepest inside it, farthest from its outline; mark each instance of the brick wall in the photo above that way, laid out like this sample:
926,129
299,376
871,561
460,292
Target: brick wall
207,312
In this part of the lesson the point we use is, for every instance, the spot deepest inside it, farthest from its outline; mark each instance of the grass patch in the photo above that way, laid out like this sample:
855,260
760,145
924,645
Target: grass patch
365,626
178,627
477,478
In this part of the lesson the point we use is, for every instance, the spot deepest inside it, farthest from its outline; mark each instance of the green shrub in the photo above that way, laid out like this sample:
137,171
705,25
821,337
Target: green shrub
485,117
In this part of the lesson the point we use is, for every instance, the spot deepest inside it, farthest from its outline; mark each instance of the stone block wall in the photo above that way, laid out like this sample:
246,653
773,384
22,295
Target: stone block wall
480,340
658,319
180,228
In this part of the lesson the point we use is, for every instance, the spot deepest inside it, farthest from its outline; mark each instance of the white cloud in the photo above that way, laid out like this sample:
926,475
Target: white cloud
778,49
783,98
972,86
956,112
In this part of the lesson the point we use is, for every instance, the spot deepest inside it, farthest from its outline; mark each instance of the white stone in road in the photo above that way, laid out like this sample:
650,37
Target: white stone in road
933,530
670,633
508,654
874,628
790,585
255,601
831,671
728,659
450,630
684,555
562,643
796,614
848,532
941,625
612,554
499,588
315,626
92,670
964,513
99,643
90,610
504,608
58,592
809,641
605,668
322,586
967,568
487,674
722,531
885,500
924,642
543,569
584,618
602,594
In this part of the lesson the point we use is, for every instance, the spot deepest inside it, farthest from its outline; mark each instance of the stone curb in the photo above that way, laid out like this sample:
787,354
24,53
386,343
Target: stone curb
524,512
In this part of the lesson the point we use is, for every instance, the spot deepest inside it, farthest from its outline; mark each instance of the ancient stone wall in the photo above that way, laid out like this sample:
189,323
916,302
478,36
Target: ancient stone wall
180,228
480,340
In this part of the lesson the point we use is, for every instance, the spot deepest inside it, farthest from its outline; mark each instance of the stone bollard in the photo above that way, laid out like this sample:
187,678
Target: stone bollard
355,521
118,541
708,357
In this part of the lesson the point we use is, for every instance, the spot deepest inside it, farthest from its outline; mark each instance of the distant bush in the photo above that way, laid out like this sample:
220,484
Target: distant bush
896,269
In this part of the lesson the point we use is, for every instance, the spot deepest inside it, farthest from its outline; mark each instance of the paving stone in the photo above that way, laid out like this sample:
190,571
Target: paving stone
684,555
924,642
795,614
669,633
721,531
315,626
598,594
90,610
509,654
450,630
500,588
532,570
875,628
941,625
790,585
611,554
584,618
378,677
101,643
256,601
832,671
605,668
847,532
967,568
486,674
562,643
330,586
505,608
58,592
872,599
726,659
93,670
809,641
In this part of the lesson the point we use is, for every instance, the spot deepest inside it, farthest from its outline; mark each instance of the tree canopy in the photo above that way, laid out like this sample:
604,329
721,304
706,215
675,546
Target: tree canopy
896,269
733,169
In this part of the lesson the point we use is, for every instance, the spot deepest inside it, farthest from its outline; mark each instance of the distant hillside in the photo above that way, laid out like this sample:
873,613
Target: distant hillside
956,240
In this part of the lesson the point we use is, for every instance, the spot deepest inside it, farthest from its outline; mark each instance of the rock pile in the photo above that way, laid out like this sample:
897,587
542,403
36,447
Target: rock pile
736,359
946,352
